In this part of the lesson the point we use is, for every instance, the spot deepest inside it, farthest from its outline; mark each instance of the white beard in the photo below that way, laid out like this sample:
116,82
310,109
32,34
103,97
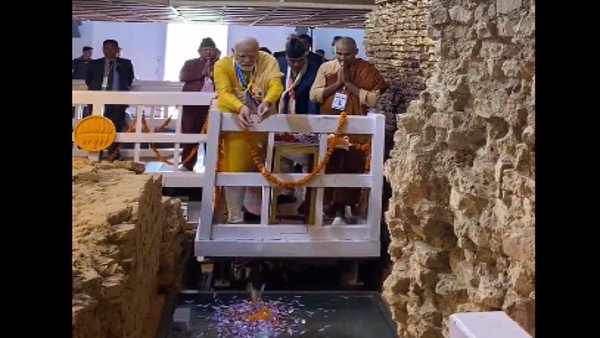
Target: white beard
247,68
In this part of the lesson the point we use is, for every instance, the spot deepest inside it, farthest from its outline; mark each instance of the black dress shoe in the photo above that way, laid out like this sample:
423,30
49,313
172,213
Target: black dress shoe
250,217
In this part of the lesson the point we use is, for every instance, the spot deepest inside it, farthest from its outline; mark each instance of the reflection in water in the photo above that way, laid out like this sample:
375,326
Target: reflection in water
323,314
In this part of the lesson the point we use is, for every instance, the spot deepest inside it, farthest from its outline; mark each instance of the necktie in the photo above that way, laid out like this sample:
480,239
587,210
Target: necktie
111,76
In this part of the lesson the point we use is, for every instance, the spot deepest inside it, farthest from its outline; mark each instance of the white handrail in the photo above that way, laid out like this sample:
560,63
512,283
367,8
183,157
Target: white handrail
212,238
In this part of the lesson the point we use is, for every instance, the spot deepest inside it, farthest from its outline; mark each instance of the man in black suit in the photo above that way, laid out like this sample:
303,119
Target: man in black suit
80,65
111,73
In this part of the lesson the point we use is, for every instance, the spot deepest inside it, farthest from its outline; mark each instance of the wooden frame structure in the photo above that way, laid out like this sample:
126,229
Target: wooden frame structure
264,239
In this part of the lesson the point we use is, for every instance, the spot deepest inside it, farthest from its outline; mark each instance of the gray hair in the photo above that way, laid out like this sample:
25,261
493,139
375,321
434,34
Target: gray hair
246,40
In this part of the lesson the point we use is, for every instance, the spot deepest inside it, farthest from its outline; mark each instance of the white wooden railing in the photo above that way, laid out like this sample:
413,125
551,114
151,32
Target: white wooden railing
141,86
214,238
138,101
155,115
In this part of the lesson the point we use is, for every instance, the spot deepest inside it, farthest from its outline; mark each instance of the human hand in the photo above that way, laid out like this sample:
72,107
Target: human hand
244,118
263,110
341,74
345,74
207,70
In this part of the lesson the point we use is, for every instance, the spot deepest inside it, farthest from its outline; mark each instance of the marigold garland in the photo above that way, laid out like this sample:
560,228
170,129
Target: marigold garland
130,129
159,156
366,147
303,181
331,143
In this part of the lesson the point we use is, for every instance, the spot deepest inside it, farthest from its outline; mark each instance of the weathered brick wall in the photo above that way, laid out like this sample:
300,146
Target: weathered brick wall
462,170
397,41
127,246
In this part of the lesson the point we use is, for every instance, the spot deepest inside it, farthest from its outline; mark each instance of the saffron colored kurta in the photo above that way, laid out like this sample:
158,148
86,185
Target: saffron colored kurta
266,85
371,84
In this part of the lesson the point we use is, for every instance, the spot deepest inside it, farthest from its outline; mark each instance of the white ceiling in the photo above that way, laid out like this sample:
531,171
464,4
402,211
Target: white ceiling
324,13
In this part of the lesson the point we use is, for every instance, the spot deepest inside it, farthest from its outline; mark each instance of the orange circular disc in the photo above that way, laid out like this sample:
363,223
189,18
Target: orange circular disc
94,133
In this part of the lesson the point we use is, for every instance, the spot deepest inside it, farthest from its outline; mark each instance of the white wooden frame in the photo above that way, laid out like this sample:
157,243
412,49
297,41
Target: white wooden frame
292,240
259,240
155,115
138,101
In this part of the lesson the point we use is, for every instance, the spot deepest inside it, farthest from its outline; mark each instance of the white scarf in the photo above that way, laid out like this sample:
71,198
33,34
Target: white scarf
289,85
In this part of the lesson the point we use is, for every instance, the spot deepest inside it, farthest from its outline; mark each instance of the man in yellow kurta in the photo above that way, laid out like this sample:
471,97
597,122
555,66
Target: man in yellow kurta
247,82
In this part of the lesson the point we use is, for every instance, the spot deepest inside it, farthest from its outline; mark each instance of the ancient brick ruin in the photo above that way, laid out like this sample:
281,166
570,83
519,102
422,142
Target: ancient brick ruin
127,247
462,169
461,119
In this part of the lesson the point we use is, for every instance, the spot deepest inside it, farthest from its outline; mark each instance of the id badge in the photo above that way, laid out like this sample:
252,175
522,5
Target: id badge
104,83
339,101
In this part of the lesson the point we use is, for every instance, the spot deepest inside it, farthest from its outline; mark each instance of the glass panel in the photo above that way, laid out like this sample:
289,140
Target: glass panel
316,314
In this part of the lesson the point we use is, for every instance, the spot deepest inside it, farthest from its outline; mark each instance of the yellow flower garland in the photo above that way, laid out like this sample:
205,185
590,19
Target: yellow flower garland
255,156
303,181
366,147
146,129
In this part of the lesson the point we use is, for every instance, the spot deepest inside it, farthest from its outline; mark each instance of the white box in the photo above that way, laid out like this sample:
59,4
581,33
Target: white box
494,324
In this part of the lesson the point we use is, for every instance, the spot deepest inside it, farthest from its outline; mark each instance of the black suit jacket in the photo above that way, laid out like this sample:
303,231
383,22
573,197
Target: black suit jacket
95,74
